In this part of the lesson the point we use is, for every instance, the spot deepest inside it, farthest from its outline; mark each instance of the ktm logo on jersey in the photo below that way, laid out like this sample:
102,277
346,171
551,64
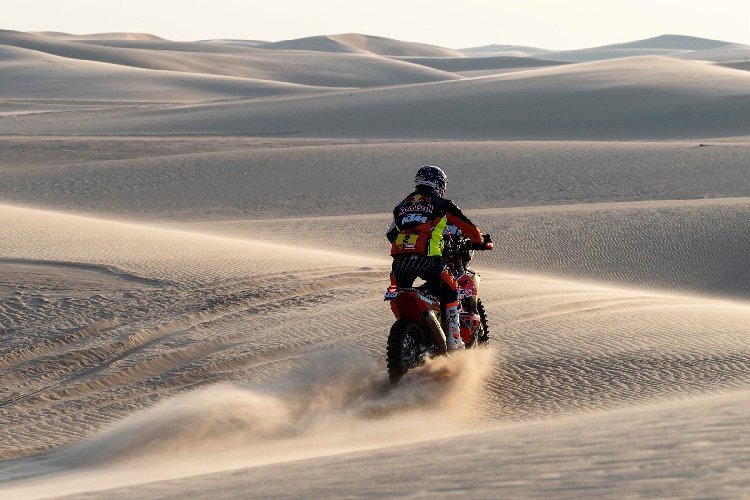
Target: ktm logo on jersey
413,218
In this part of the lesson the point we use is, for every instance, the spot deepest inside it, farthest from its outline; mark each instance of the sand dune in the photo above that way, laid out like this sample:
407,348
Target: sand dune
675,99
200,47
607,53
260,180
101,36
674,42
234,42
288,67
192,267
359,43
28,74
726,53
496,50
637,244
687,47
188,317
640,244
142,314
692,246
464,64
28,153
743,65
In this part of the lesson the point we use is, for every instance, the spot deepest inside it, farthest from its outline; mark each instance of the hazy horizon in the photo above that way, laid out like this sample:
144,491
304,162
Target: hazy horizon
499,43
539,23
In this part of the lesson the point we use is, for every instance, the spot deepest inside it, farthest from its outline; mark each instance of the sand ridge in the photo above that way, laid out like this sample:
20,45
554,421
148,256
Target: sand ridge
677,46
50,73
256,178
359,43
285,67
102,36
676,99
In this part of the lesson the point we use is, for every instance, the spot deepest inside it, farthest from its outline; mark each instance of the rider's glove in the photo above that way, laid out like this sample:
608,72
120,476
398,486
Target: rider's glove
485,245
487,240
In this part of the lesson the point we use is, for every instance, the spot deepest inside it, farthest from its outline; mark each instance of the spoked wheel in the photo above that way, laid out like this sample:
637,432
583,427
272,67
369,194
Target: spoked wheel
484,334
404,348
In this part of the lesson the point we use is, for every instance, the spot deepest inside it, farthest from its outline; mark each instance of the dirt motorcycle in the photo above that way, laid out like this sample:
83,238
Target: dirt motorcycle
419,332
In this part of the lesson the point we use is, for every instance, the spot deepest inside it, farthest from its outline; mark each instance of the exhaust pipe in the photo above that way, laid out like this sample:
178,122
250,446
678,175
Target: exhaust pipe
436,330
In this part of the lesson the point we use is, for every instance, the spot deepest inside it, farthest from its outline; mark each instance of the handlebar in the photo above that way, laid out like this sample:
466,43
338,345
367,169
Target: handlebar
485,245
482,246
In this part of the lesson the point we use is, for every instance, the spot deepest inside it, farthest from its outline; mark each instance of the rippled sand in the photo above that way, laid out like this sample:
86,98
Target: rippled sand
202,315
116,321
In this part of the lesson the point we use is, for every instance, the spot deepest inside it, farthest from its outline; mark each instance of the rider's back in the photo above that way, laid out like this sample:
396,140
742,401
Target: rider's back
419,221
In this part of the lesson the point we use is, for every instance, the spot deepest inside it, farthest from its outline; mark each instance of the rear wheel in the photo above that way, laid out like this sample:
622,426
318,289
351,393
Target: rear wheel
484,334
404,348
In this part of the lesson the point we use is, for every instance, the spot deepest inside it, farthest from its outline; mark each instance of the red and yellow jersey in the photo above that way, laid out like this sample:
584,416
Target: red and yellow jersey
419,221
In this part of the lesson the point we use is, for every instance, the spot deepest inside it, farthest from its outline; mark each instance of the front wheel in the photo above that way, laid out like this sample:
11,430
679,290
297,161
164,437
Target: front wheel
403,348
484,334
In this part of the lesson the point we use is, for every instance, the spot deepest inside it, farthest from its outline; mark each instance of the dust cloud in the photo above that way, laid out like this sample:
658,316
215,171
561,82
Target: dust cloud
339,401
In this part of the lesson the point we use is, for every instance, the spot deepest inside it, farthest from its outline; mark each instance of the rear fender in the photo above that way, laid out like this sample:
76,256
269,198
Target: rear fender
412,305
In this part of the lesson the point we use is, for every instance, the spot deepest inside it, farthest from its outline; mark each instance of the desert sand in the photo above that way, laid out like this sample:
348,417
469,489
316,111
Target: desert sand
192,265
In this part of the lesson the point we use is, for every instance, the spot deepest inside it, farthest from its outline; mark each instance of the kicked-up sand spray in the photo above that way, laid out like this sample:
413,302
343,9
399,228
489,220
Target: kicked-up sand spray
338,402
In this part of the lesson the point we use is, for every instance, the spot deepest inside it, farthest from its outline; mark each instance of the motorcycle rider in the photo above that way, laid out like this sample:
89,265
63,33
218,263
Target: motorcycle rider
416,236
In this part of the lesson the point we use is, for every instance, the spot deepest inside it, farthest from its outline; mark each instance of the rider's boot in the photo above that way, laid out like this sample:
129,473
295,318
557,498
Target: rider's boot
453,333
